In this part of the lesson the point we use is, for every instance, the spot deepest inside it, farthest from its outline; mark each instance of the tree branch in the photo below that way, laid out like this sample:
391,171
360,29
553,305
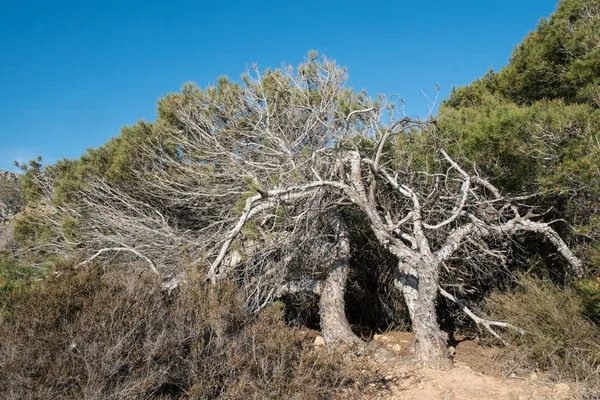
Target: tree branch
478,229
464,191
487,324
118,249
300,286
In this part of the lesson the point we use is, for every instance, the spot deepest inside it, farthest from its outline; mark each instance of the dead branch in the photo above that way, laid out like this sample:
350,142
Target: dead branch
487,324
118,249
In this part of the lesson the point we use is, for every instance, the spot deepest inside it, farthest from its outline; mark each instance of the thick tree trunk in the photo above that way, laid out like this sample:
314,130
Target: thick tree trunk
334,324
419,286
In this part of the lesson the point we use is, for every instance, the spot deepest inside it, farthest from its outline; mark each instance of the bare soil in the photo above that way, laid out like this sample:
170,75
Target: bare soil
477,374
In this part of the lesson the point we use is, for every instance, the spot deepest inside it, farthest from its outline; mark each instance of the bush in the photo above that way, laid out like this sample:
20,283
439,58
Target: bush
589,290
16,277
116,335
558,338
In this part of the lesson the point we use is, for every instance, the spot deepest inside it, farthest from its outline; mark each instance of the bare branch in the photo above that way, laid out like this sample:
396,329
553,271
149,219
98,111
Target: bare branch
463,199
481,230
486,323
301,286
118,249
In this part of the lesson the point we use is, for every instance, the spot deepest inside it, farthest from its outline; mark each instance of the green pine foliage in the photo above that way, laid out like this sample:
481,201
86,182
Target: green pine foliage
589,291
535,125
560,60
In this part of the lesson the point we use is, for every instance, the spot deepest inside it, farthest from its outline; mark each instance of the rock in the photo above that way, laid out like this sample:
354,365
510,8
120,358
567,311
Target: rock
533,376
6,236
319,341
11,201
9,176
397,347
379,338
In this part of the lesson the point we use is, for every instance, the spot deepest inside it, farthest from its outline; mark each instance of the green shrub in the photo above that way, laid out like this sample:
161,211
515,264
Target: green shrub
115,334
16,277
558,337
589,290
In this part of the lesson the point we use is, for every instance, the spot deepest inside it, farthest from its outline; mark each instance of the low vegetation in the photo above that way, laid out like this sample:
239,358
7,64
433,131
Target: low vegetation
115,334
557,338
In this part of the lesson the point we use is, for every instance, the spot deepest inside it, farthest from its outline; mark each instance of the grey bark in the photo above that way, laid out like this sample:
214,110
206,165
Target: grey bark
334,324
419,288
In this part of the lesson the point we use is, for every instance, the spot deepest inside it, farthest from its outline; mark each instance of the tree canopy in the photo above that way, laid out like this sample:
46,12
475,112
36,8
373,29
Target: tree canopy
534,124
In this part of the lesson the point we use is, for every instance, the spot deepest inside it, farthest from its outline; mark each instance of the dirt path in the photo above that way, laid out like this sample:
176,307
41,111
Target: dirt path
462,383
475,376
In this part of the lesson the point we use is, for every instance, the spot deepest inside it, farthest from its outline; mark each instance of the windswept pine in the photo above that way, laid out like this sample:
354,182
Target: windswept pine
289,197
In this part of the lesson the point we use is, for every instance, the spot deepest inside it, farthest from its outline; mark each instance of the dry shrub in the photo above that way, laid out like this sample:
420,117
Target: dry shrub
558,338
114,334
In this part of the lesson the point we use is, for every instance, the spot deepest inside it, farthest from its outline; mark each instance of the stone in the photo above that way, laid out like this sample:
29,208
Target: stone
533,376
11,201
319,341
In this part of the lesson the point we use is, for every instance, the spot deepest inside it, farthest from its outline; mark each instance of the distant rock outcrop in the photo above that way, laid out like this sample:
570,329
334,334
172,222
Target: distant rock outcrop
11,200
9,176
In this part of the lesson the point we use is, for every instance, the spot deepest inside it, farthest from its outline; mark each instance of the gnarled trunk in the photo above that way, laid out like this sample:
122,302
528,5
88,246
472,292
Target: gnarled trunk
334,324
419,287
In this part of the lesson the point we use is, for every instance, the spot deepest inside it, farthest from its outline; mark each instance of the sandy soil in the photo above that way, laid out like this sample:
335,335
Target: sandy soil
476,375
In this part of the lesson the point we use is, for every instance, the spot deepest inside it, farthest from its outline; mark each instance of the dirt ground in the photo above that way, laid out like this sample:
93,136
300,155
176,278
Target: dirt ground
476,375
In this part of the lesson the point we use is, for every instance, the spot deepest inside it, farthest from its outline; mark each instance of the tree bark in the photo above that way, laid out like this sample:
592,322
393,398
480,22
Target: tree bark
334,324
332,311
419,286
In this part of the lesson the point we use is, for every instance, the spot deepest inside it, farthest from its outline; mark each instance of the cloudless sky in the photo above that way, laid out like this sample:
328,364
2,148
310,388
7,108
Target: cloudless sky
72,73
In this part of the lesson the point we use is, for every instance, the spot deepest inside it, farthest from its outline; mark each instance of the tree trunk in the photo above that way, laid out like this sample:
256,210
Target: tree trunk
419,287
334,324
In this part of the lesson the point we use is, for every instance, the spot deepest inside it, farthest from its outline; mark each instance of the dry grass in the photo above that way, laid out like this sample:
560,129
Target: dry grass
558,338
116,335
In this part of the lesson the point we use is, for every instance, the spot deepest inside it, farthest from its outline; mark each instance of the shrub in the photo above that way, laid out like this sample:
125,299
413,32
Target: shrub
115,334
589,290
558,338
16,277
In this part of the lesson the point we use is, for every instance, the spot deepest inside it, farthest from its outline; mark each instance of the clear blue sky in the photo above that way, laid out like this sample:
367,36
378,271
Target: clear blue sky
73,72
